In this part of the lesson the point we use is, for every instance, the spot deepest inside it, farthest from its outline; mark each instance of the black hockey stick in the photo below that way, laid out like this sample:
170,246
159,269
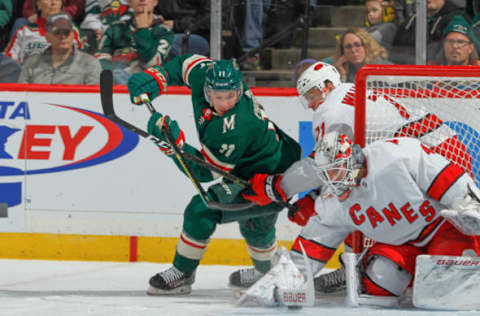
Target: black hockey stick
106,95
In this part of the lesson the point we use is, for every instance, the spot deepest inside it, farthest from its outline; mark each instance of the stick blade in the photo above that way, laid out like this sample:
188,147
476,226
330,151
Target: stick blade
106,91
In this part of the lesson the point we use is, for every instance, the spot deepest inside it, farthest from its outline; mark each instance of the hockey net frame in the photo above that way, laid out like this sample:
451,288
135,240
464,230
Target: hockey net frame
392,73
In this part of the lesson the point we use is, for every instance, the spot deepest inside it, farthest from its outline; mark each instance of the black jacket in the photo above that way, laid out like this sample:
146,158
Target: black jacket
403,51
193,15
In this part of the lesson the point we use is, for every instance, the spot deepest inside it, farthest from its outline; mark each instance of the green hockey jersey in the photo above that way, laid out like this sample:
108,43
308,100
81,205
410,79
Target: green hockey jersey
124,46
243,141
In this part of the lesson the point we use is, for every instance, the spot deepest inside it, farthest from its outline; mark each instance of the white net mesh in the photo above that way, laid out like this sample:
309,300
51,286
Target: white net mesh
443,111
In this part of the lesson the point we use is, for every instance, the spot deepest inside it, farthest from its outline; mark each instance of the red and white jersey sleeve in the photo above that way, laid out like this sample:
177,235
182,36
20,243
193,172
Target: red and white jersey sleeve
321,236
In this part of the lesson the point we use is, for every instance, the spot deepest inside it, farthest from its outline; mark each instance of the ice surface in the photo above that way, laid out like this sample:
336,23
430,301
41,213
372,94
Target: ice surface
34,287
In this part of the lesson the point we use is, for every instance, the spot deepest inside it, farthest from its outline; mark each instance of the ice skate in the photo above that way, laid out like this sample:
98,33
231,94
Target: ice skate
242,279
171,281
331,282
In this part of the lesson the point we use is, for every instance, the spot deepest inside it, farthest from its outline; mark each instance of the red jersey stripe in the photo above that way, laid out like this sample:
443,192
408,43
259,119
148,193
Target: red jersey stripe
191,65
313,249
428,230
420,127
210,161
444,180
191,243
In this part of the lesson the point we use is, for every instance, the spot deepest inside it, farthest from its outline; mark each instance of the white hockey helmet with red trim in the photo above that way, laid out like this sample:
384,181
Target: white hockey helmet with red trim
317,76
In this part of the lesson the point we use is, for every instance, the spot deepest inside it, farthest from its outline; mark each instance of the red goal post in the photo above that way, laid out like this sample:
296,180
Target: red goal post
448,94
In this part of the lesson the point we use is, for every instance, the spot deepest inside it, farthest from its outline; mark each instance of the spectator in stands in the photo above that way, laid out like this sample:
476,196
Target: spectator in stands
356,48
6,9
75,8
30,38
62,62
100,14
282,14
9,69
404,10
439,14
379,21
253,32
190,17
458,44
135,44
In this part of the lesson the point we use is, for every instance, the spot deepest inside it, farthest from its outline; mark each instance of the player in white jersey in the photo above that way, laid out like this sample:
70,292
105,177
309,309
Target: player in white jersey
333,102
397,192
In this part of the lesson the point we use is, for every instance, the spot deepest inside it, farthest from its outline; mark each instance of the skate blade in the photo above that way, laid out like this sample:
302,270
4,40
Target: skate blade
181,290
237,292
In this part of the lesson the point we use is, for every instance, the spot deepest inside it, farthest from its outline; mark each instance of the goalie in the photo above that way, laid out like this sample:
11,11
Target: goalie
401,194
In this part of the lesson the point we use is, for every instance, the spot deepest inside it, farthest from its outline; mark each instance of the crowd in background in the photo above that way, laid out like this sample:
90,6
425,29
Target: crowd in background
71,41
388,37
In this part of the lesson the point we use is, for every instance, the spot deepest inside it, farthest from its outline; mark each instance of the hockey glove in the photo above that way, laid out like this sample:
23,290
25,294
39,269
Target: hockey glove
465,212
304,209
151,82
265,189
155,124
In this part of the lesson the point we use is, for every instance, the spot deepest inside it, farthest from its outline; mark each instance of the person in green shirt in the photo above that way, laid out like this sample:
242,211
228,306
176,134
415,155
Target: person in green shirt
137,41
236,136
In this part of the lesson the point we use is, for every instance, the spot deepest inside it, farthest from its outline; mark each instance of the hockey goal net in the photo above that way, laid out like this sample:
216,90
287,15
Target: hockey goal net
440,105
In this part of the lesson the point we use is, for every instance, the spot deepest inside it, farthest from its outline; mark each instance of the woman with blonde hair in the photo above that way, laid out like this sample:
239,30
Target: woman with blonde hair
356,48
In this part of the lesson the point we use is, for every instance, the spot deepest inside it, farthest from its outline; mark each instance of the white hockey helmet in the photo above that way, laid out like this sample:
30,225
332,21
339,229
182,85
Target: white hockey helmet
338,161
316,76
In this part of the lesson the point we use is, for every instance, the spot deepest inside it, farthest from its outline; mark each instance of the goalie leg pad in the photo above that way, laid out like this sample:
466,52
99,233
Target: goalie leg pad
383,277
447,283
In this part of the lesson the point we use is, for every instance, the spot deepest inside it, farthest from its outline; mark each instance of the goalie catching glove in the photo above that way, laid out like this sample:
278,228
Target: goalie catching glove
264,189
465,212
155,124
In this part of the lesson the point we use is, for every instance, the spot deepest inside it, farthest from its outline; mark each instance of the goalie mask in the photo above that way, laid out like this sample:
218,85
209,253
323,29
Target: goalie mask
317,76
338,162
223,75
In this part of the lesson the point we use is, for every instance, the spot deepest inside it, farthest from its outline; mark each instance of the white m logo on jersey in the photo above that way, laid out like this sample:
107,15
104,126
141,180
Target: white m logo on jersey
228,123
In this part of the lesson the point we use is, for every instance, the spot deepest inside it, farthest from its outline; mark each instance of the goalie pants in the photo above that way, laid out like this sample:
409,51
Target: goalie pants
257,226
447,241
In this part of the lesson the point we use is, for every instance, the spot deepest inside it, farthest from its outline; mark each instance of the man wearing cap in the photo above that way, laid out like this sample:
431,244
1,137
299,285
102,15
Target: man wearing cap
30,39
459,44
62,62
439,15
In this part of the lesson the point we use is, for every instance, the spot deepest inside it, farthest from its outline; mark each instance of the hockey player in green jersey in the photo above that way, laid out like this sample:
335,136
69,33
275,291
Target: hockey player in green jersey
236,136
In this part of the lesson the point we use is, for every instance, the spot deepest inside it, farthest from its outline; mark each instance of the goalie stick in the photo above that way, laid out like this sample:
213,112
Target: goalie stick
106,96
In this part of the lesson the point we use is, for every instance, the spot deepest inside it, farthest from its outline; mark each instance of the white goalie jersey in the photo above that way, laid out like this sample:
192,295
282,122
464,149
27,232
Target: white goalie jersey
397,202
